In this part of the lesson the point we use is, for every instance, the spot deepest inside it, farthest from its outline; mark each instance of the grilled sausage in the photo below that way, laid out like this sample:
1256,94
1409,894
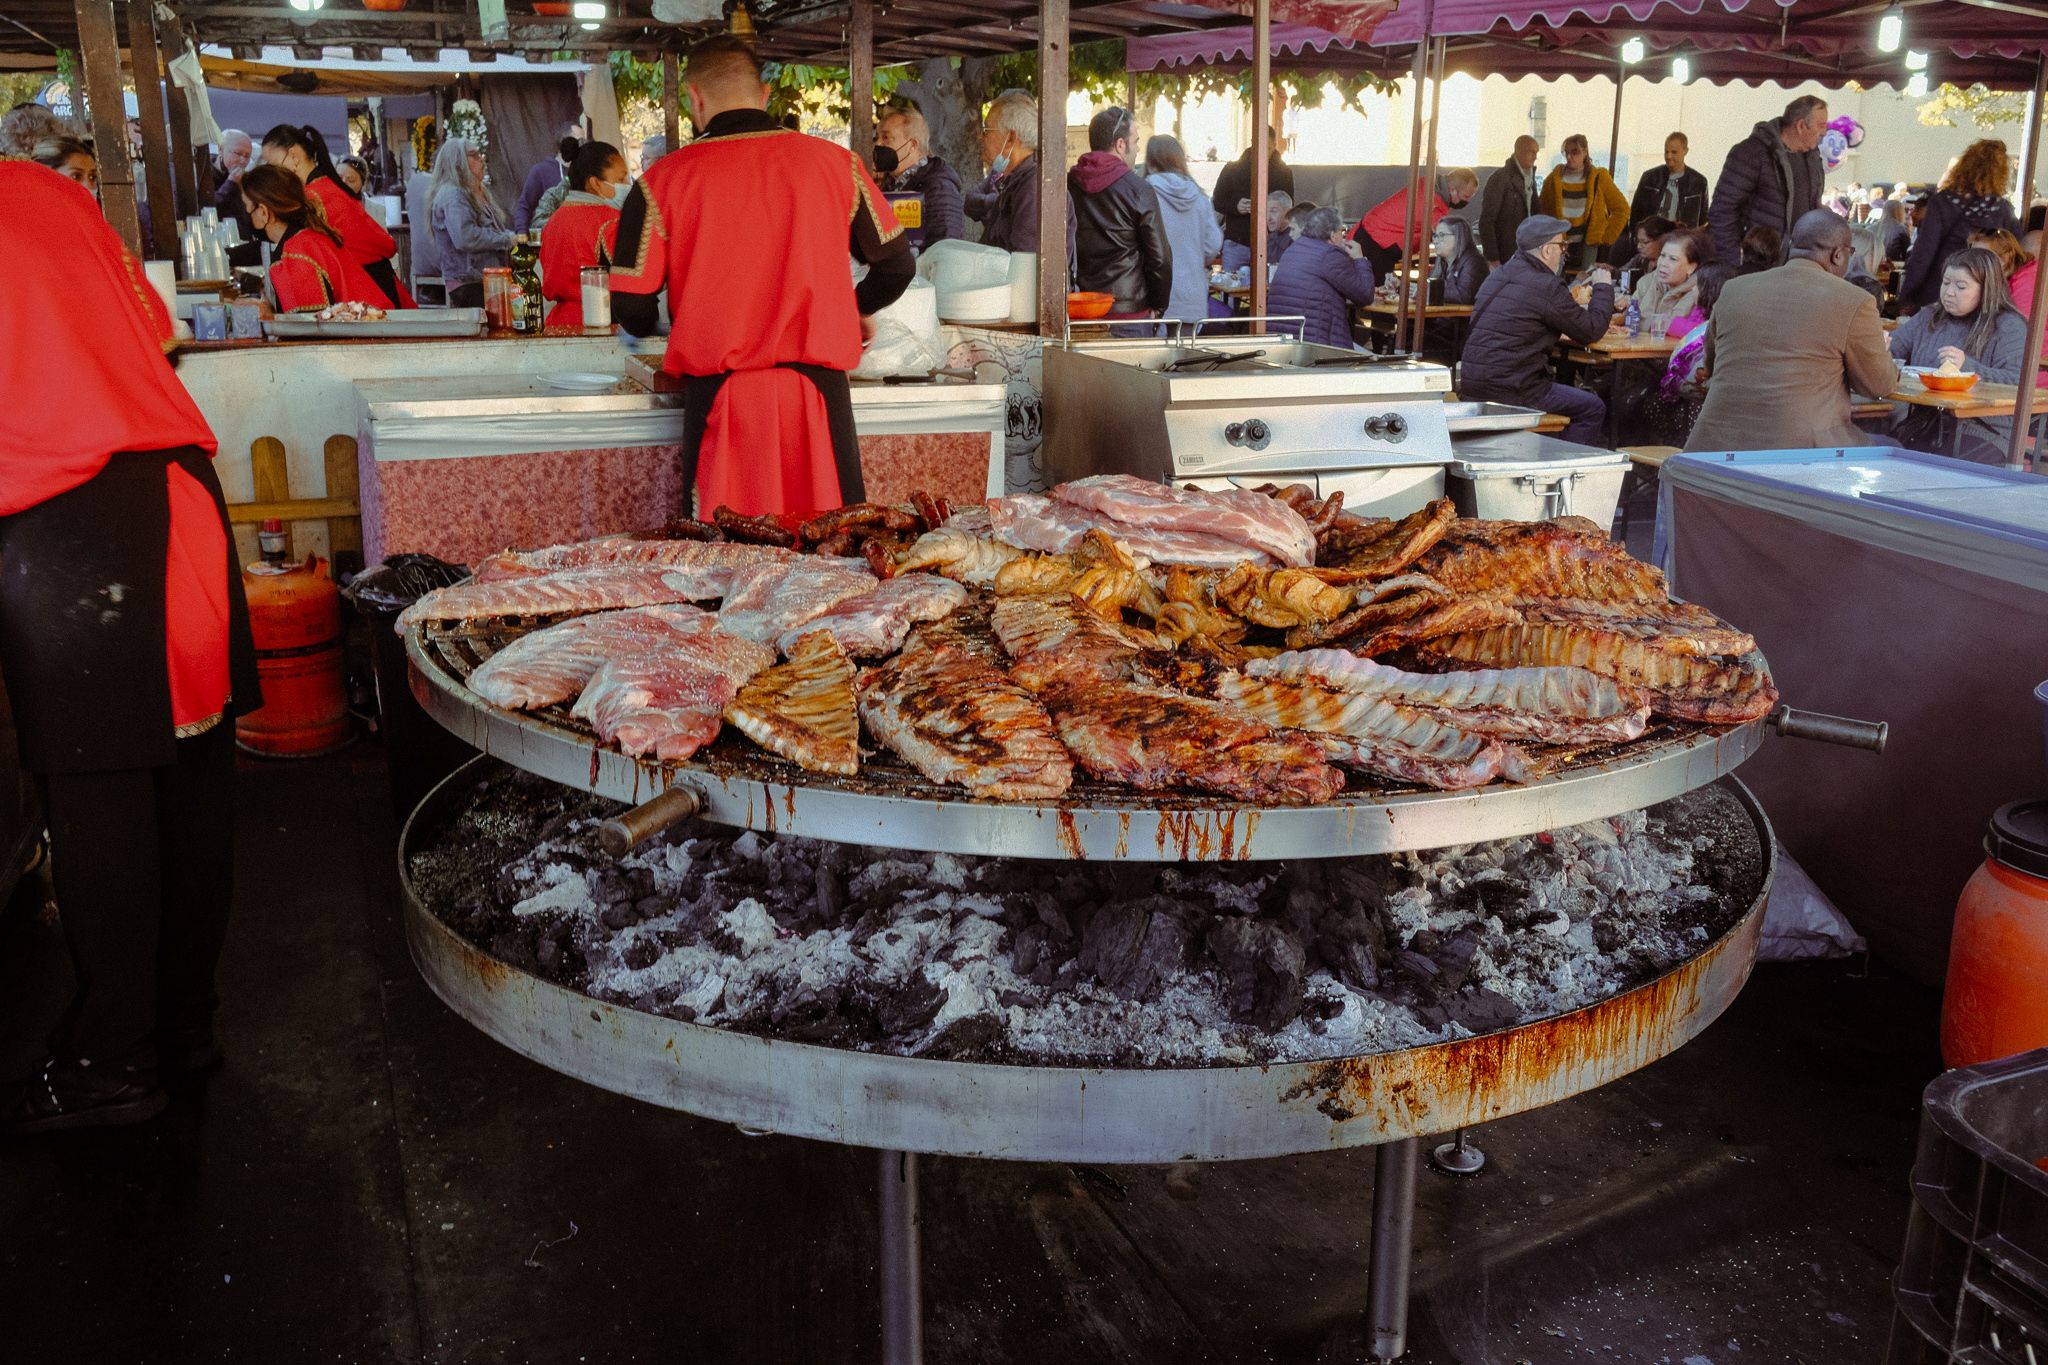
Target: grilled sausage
752,530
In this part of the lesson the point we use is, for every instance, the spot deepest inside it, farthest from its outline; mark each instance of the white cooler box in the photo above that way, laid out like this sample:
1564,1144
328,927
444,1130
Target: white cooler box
1524,476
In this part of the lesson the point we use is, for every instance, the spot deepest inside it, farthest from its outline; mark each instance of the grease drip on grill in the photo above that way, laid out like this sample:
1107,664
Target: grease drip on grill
996,959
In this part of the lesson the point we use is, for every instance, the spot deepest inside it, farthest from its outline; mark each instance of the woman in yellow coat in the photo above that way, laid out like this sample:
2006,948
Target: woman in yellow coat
1585,196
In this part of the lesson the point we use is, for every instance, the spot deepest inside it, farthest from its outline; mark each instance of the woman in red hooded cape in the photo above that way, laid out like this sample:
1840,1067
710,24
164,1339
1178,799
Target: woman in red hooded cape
125,647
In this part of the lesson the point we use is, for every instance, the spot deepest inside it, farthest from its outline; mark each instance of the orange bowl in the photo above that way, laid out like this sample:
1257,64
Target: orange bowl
1086,306
1947,383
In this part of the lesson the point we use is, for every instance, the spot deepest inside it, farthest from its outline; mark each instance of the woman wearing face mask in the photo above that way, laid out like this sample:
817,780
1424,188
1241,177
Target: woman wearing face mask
1585,196
309,270
1973,328
583,232
303,152
1459,263
1667,297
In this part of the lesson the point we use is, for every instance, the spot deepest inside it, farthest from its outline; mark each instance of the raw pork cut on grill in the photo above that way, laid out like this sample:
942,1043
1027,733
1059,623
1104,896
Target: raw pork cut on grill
1033,522
674,554
556,594
1155,739
1539,559
553,664
1253,520
1404,743
873,624
1536,705
804,709
951,713
1683,686
667,700
768,600
1054,637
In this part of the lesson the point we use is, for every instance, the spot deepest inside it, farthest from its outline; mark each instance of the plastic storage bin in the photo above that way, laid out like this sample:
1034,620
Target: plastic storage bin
1524,476
1972,1286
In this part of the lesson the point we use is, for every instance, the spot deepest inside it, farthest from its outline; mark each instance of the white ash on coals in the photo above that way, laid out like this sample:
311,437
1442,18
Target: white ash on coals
1131,964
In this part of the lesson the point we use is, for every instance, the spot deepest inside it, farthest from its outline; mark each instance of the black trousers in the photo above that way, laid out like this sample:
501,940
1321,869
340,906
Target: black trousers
143,862
467,295
1383,259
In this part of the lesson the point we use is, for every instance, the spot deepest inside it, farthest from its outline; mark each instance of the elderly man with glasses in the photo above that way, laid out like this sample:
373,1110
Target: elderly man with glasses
1521,311
904,142
1120,240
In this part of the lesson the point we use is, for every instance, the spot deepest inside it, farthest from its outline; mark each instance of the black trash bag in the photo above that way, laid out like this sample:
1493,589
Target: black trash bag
400,581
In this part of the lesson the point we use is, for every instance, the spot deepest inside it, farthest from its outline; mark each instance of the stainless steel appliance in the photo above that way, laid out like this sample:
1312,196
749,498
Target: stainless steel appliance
1248,410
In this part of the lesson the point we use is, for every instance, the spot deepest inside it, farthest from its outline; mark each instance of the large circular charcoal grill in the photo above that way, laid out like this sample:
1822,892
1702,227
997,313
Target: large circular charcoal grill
906,1106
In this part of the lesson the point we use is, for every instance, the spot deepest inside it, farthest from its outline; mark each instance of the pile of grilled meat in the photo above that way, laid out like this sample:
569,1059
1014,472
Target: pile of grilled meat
1256,645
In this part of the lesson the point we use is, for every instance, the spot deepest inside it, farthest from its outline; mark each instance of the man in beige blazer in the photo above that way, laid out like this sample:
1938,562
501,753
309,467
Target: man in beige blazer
1786,347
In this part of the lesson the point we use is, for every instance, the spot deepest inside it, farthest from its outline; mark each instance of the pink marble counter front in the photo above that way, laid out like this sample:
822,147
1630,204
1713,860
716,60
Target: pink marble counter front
463,509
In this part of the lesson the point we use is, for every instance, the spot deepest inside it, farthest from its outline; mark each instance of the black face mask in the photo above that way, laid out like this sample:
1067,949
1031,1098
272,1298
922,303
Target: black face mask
885,160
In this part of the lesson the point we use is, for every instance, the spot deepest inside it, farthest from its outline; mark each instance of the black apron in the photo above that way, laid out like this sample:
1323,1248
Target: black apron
82,618
701,391
385,278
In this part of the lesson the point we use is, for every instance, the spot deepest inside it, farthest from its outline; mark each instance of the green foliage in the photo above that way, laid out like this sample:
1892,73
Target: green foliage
634,81
815,94
1097,70
20,87
1985,108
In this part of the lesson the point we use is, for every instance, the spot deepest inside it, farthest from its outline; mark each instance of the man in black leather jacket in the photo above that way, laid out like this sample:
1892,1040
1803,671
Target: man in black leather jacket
1120,239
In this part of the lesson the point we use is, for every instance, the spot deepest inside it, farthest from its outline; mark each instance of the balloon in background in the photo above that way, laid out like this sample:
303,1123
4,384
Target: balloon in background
1843,134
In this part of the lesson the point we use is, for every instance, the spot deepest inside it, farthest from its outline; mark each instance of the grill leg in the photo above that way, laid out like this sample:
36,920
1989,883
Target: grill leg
902,1277
1393,1247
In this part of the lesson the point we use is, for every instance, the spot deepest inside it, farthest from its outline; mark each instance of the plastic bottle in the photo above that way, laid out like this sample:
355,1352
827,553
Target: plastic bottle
1635,318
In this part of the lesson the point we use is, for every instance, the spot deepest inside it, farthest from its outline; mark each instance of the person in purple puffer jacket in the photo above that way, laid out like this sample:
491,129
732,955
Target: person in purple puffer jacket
1322,276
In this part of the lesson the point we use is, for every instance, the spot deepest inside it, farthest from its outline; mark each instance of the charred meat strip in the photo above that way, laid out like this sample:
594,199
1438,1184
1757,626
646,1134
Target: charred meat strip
874,623
1404,743
878,515
762,530
553,664
1678,627
1155,739
1357,547
1536,705
946,708
1682,686
803,710
666,701
681,554
1540,559
1237,515
1439,619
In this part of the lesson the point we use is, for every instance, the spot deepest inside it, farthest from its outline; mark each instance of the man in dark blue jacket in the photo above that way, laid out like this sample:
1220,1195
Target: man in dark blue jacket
1322,277
1522,310
919,171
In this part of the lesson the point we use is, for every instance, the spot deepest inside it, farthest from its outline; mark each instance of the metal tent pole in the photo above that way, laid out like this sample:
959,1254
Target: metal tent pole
1614,133
1262,149
2037,320
1393,1247
1423,224
2030,147
902,1273
1416,80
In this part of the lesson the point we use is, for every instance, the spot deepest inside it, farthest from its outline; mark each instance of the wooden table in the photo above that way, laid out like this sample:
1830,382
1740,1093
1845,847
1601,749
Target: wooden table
1981,400
1618,350
1379,317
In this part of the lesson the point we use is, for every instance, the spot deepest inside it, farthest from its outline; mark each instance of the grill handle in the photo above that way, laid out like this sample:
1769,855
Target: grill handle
1856,734
622,834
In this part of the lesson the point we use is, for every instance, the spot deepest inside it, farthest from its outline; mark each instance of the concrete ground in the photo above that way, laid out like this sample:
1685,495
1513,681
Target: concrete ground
370,1179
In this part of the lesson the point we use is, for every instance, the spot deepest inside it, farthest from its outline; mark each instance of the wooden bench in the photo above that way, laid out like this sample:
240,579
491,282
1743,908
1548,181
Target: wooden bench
1649,457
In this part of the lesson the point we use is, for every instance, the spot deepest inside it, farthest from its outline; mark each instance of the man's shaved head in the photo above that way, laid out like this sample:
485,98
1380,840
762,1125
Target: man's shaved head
723,73
1819,231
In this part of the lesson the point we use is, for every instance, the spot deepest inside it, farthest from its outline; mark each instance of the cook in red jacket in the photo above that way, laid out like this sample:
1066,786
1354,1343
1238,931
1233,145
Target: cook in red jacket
125,645
303,152
309,271
584,231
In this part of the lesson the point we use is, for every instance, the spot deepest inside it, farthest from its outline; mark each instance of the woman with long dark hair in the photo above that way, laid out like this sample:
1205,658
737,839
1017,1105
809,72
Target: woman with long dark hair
303,152
310,270
125,645
1459,263
1972,328
584,231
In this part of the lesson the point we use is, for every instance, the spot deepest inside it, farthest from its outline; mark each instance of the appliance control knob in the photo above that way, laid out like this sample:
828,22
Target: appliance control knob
1397,426
1234,433
1257,433
1387,426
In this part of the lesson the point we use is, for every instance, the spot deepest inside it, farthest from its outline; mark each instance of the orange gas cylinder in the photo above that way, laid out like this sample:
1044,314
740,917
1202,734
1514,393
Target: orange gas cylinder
295,613
1996,1003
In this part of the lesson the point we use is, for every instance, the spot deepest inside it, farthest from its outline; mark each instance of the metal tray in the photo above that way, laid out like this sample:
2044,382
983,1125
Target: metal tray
892,806
397,322
1040,1113
1469,418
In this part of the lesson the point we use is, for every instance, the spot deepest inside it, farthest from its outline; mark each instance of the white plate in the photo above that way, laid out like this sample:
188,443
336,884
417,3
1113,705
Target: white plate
579,381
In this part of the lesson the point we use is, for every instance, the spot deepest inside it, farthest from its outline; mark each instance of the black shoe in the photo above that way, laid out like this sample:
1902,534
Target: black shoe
64,1095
